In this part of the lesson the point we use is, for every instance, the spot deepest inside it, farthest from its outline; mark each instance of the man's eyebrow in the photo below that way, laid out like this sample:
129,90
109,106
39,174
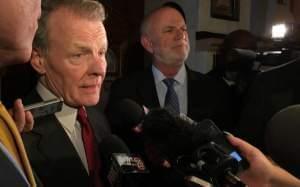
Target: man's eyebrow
81,47
168,27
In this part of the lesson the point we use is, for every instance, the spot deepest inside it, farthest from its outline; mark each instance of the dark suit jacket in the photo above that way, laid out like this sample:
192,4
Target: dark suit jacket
207,98
238,91
272,91
9,174
51,152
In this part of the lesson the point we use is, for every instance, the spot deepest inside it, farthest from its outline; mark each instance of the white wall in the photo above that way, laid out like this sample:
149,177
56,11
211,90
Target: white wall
259,13
204,59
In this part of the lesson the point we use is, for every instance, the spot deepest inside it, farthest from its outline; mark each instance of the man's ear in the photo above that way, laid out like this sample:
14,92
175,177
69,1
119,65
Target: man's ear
38,61
147,44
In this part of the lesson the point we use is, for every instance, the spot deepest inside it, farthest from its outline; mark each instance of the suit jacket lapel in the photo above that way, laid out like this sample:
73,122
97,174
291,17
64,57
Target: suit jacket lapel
147,90
98,122
56,146
196,94
191,79
50,150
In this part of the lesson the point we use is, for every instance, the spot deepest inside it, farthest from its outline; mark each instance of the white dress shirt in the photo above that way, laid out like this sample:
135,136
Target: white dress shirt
68,119
180,87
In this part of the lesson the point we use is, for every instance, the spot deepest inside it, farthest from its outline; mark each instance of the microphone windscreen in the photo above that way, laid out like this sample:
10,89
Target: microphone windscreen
167,134
170,136
109,145
207,128
130,113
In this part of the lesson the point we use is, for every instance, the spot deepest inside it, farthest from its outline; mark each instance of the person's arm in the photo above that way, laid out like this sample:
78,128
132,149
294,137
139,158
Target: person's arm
23,119
282,178
262,172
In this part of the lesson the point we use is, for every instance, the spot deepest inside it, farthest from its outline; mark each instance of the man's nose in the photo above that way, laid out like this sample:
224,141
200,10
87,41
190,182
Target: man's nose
180,34
99,64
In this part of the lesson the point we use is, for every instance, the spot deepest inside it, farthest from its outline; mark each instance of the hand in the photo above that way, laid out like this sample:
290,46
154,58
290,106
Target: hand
23,119
260,169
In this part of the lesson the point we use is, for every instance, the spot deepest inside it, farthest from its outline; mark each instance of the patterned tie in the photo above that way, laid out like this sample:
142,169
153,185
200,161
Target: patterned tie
171,99
88,139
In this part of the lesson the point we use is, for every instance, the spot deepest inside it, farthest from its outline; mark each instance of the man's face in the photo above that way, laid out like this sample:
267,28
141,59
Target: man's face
18,24
168,37
75,65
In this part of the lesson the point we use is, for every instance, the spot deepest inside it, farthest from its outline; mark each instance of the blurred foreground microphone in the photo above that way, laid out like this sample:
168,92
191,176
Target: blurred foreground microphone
197,149
130,113
194,148
121,168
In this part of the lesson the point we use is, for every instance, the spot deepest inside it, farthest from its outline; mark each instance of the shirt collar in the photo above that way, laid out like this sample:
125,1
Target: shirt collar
179,77
67,116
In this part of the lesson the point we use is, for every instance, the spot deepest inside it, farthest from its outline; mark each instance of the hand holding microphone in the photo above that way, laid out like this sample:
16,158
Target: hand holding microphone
262,172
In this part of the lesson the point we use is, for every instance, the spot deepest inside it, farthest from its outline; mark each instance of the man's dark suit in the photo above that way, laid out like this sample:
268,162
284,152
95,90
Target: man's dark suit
9,174
207,98
51,153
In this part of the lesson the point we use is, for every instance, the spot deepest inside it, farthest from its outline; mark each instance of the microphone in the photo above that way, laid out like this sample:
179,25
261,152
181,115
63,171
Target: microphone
158,124
130,114
121,168
193,147
197,148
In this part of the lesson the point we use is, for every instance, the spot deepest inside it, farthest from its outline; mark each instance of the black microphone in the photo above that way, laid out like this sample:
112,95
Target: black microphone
129,113
176,138
197,148
162,127
161,121
121,168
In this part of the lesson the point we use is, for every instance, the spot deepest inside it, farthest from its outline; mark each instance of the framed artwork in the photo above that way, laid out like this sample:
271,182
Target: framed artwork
282,2
225,9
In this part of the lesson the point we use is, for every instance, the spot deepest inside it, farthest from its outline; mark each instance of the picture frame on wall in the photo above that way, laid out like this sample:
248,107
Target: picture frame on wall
225,9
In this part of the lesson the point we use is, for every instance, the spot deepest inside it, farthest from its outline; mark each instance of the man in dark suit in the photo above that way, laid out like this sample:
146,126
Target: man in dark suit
53,154
168,83
69,55
164,35
236,72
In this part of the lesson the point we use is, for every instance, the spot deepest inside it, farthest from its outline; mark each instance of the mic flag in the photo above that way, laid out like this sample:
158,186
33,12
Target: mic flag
121,168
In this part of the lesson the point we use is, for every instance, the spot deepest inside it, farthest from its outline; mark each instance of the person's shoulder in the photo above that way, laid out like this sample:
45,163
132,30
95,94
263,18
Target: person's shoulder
2,108
208,78
194,75
133,78
138,74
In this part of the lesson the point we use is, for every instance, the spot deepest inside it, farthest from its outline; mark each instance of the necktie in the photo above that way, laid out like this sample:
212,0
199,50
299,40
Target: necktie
171,99
88,139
